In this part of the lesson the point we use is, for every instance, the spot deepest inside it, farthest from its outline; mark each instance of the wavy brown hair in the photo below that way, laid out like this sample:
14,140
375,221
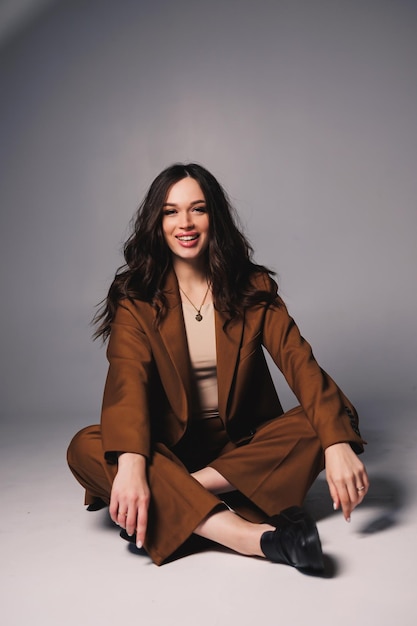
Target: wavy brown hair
148,258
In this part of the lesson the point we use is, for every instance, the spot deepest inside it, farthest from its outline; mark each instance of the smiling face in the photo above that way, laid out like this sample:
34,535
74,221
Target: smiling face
185,221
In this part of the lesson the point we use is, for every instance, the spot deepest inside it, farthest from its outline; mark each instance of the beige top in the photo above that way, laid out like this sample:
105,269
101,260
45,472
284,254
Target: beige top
201,337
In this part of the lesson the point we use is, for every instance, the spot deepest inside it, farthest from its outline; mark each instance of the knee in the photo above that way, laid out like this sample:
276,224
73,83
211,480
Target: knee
82,446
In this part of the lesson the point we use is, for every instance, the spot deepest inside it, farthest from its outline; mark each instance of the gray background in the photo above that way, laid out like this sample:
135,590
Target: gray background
305,110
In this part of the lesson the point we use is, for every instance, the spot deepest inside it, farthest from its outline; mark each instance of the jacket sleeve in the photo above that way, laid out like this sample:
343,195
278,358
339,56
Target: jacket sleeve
331,414
125,418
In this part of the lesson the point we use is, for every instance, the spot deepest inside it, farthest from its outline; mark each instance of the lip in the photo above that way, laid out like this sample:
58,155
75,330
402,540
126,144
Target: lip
188,240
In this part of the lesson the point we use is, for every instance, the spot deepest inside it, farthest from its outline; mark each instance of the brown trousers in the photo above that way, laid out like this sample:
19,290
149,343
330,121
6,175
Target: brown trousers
272,471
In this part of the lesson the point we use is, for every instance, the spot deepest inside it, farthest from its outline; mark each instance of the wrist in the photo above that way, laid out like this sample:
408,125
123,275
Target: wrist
131,458
337,446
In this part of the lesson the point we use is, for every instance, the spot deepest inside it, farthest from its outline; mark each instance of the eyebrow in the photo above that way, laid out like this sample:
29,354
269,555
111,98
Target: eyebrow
191,203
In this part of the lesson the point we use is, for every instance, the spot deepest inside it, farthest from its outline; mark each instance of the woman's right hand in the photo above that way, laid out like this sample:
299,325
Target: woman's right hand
130,496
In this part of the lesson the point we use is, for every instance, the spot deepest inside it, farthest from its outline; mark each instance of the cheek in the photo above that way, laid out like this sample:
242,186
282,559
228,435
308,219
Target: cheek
207,237
166,232
207,225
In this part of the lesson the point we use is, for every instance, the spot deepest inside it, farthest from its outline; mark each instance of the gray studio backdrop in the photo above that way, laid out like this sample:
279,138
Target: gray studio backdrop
306,111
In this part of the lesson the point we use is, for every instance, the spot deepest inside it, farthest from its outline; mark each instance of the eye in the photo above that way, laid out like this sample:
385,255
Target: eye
200,209
169,212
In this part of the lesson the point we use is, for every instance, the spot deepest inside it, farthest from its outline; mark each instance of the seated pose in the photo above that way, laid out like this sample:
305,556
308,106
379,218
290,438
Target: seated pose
193,438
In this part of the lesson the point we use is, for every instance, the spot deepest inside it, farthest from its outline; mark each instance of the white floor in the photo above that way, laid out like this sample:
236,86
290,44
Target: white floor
61,565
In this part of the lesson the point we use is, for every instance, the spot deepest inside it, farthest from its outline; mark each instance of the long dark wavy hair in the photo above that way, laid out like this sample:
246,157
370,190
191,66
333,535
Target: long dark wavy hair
148,258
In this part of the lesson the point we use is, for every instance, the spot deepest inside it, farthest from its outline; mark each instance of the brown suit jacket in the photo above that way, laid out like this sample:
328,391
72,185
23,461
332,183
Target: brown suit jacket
148,392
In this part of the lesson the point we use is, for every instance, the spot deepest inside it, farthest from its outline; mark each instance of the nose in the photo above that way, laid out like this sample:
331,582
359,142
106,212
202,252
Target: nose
186,220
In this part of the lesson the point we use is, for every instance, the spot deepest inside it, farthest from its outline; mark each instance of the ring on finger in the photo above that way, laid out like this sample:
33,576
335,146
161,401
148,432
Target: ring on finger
360,488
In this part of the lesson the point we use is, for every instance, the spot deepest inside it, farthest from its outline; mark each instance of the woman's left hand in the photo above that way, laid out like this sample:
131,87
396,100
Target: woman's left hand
346,476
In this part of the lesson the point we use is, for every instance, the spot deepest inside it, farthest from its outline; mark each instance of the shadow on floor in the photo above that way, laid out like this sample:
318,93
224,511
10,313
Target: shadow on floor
386,494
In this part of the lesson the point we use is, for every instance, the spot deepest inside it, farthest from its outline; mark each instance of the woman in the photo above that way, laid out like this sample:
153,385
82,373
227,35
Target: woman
190,414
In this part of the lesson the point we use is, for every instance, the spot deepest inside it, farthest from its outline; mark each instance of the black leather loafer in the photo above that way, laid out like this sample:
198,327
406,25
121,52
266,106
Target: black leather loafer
295,541
131,538
97,505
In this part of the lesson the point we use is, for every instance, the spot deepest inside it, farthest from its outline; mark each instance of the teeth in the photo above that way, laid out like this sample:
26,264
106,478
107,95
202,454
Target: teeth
187,237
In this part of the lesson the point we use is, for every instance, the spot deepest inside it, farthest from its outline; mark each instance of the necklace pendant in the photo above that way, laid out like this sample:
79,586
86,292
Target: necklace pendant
199,317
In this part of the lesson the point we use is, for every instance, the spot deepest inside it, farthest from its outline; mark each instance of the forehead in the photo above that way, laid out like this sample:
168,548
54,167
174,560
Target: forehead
186,190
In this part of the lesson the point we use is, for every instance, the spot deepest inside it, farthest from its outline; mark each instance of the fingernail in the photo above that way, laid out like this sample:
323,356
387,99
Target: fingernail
348,520
130,534
335,506
139,545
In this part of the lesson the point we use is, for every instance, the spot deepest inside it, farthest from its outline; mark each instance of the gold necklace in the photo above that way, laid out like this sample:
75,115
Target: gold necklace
198,317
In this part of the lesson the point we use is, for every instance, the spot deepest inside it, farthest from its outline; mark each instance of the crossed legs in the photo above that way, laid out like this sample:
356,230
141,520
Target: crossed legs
226,527
274,471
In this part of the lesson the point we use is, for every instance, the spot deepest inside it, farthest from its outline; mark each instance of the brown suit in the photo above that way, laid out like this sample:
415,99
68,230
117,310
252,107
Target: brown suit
271,457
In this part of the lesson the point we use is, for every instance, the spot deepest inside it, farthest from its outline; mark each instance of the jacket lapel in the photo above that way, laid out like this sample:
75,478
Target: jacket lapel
228,344
172,331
